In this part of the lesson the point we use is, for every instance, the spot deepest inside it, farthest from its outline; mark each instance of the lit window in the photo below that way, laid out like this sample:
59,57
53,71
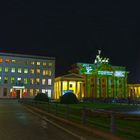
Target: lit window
43,81
31,81
5,80
37,81
32,63
13,70
0,60
31,92
0,79
7,60
38,63
43,90
19,79
50,73
19,70
6,69
49,93
38,71
37,91
25,81
44,63
49,64
45,72
12,80
0,69
25,70
32,71
49,82
24,93
13,61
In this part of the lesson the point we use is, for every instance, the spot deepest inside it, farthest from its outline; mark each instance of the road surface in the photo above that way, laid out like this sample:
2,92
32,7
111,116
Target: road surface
17,123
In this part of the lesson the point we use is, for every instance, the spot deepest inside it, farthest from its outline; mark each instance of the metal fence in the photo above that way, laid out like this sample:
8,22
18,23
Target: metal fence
104,120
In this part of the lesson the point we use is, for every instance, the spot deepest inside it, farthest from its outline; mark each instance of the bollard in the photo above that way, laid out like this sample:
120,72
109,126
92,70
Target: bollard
113,126
83,117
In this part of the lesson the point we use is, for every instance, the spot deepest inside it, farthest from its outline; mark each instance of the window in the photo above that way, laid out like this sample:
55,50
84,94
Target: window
19,81
24,93
38,63
37,81
13,70
12,80
43,90
25,81
13,61
49,82
43,81
0,69
6,69
19,61
5,92
45,72
49,93
0,79
37,91
44,63
50,73
26,62
32,71
19,70
31,92
38,71
32,63
5,80
0,60
7,60
49,64
31,81
25,70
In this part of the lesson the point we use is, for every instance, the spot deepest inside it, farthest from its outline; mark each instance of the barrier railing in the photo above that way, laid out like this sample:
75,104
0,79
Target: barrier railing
114,122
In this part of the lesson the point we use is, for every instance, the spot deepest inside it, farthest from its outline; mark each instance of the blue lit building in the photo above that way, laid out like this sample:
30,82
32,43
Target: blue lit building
24,76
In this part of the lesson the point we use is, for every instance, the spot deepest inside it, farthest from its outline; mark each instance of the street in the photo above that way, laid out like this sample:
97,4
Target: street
17,123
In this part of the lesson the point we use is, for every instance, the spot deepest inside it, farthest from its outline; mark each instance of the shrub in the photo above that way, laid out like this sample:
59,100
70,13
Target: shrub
41,97
68,98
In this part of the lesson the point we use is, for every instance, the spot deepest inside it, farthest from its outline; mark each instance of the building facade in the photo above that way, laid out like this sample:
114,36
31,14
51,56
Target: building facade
102,80
134,90
69,83
24,76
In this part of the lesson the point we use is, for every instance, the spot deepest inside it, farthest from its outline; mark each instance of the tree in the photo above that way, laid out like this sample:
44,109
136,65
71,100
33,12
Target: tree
69,98
41,97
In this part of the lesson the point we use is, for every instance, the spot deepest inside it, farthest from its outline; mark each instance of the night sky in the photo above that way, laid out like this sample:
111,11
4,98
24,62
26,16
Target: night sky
73,32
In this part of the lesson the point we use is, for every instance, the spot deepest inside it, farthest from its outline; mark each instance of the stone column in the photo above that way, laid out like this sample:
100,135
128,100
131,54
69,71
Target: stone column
68,85
61,87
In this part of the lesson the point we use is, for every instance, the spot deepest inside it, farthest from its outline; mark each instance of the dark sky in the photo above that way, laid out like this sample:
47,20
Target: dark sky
73,32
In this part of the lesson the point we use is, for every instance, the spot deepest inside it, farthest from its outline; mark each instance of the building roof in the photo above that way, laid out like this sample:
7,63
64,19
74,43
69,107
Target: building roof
70,77
26,56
